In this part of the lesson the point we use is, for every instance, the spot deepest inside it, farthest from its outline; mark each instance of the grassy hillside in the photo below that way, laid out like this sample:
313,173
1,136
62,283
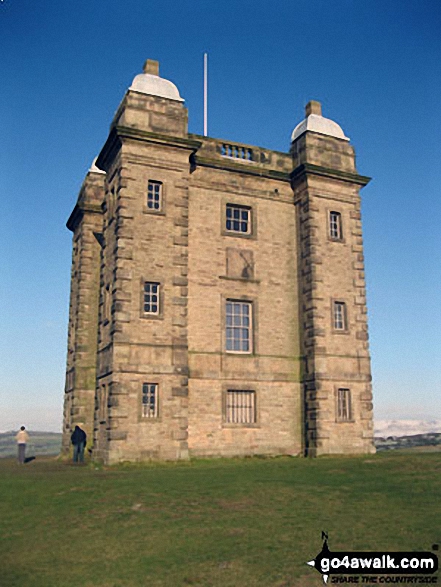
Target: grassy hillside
41,443
209,523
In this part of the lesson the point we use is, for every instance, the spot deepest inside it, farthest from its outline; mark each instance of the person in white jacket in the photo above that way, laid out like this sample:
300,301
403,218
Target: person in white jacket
22,438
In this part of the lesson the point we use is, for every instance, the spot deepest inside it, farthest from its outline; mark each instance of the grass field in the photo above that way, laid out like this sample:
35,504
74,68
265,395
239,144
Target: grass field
209,523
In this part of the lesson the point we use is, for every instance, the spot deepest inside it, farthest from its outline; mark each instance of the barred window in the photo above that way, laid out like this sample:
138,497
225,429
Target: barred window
238,326
149,400
335,228
238,219
344,408
339,312
151,297
154,195
240,407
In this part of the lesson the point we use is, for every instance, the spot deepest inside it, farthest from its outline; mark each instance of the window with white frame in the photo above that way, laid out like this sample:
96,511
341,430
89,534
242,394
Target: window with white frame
151,298
154,195
149,407
240,407
238,320
335,227
339,316
344,409
238,219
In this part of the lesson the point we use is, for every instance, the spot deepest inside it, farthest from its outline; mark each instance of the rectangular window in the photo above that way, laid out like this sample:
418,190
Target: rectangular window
335,229
111,205
103,397
151,298
238,326
344,405
149,400
238,219
340,316
106,304
154,195
240,407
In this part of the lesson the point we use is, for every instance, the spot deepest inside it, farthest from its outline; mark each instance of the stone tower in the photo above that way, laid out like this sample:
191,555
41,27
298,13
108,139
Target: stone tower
148,139
217,295
85,222
333,315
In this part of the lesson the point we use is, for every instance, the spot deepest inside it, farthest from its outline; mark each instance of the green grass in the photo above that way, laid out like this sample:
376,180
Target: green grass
209,523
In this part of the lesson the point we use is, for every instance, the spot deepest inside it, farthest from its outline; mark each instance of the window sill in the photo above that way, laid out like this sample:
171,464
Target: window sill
228,425
152,316
154,212
233,234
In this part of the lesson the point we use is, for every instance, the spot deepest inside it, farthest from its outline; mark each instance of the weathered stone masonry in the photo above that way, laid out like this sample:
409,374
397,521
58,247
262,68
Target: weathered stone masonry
302,386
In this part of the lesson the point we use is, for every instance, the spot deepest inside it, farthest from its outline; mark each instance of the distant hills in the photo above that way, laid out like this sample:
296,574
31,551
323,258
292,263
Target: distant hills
414,434
40,443
389,434
417,441
385,428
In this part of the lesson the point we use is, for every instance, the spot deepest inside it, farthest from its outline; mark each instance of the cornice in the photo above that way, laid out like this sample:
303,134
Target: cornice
228,165
119,133
306,169
78,213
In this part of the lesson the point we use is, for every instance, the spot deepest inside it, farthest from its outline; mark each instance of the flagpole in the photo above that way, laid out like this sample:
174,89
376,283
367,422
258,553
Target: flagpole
205,94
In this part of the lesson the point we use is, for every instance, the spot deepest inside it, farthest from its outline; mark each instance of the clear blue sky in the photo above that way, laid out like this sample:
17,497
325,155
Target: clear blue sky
375,66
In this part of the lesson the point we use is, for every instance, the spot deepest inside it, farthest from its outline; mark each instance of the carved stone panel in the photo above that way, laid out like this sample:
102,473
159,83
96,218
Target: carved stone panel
240,263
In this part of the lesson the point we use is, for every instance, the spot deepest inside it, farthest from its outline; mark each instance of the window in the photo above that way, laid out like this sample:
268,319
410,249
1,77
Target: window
111,205
240,407
340,316
335,229
238,219
106,304
102,407
154,195
151,298
149,400
344,405
238,327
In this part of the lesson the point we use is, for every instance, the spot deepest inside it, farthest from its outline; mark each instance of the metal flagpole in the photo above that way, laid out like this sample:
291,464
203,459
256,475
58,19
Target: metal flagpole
205,94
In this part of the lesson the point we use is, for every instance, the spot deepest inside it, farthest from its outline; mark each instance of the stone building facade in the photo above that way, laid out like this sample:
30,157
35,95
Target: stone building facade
217,300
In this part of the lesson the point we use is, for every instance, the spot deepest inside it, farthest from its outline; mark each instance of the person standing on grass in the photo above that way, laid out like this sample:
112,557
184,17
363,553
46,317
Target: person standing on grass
22,438
78,440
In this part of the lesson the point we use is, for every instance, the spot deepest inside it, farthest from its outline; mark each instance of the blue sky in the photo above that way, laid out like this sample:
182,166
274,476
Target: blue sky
374,65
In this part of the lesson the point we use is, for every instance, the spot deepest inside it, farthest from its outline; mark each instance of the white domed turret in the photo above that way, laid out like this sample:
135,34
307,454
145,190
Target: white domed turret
94,168
315,122
150,83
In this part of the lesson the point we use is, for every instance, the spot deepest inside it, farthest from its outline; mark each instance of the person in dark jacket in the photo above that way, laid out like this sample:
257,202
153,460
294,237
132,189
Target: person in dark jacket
78,440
